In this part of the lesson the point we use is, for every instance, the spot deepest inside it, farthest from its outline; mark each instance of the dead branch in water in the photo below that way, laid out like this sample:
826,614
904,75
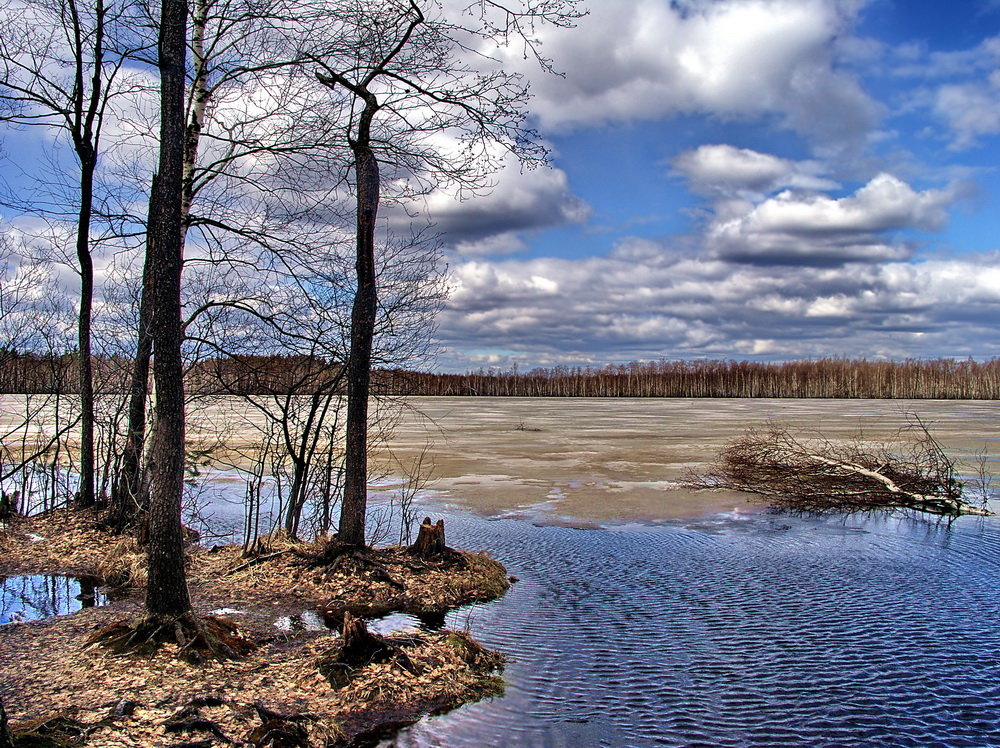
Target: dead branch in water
818,474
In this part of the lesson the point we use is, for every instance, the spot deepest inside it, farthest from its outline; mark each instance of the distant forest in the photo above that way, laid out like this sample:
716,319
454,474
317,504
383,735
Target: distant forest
820,378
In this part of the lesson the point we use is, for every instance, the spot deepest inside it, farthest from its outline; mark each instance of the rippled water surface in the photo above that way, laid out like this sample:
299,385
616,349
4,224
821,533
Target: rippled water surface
767,630
729,627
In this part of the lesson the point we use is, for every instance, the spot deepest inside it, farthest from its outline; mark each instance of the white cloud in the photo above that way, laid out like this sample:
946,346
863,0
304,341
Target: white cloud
796,226
884,203
640,59
518,201
750,220
963,88
726,170
971,110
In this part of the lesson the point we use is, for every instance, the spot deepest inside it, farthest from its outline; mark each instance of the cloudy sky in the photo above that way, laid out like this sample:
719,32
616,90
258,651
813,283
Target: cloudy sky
745,179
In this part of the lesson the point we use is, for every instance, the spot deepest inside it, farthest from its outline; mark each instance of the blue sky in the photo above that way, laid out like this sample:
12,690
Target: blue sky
730,179
760,179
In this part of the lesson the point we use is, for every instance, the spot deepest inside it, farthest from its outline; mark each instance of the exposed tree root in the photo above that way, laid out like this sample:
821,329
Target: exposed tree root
198,638
52,731
821,475
337,556
190,720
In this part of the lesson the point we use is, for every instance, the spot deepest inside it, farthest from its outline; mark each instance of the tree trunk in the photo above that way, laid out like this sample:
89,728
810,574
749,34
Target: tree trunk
127,494
167,593
86,497
361,646
6,740
352,515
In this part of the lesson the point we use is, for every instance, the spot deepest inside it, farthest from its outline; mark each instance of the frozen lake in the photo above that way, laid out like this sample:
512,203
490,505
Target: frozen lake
595,461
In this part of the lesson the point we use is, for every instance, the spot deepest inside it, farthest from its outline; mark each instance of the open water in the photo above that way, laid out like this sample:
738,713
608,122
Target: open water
727,627
737,631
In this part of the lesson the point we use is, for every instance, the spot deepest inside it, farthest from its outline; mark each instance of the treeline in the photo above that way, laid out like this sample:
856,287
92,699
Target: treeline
31,373
822,378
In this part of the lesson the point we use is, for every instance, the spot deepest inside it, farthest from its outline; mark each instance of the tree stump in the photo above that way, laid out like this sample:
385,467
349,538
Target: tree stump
361,646
430,539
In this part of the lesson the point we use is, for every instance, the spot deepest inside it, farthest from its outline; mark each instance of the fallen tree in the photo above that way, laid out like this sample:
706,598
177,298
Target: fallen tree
818,474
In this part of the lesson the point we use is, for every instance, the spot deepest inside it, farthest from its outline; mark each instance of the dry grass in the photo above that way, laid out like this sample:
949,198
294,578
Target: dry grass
65,541
124,564
282,571
416,586
45,675
50,684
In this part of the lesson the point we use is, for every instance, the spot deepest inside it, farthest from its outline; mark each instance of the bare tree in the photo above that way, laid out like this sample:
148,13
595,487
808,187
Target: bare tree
410,73
33,359
239,123
167,595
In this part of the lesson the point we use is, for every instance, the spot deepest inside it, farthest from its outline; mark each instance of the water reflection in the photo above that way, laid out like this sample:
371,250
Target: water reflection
772,630
27,598
317,620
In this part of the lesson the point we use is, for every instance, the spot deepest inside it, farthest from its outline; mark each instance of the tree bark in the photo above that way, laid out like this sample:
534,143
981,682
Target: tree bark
86,133
167,593
6,740
363,312
86,496
130,494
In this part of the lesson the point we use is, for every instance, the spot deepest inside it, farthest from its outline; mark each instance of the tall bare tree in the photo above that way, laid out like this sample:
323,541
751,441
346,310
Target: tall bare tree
239,121
411,75
167,594
62,64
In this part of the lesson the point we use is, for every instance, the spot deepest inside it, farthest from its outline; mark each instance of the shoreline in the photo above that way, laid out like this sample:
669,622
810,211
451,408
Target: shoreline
48,683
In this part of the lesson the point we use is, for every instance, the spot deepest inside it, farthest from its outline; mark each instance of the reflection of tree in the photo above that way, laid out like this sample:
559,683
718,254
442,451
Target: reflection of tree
25,598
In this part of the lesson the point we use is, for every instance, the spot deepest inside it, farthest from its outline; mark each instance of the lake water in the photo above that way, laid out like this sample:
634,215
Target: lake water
649,616
26,598
599,461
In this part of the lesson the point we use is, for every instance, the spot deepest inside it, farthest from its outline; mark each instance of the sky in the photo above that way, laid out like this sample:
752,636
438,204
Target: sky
742,179
731,179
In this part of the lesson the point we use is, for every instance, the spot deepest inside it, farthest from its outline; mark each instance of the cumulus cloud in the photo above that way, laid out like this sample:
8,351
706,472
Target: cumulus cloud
751,221
817,229
729,171
518,202
961,88
644,302
971,110
742,58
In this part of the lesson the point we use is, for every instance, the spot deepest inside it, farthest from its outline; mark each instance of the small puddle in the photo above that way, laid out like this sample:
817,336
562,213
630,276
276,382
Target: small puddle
312,620
29,598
